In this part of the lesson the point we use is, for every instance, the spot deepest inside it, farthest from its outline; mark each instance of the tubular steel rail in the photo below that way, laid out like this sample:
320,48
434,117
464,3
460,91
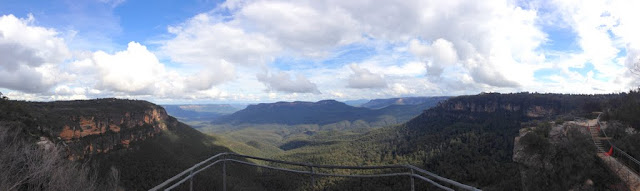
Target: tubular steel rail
630,162
411,171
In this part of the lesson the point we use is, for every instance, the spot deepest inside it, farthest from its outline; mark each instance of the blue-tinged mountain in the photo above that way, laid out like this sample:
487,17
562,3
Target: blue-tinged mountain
356,103
291,113
382,103
201,112
321,113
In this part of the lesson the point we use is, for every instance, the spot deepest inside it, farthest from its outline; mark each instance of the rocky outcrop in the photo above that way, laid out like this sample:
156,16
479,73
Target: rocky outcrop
99,126
527,158
533,111
481,107
548,154
523,105
532,164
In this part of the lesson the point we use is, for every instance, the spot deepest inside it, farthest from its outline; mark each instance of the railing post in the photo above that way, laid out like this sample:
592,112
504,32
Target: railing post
413,188
313,178
224,174
191,180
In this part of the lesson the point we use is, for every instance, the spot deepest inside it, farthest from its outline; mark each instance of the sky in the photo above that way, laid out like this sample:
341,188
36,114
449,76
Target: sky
243,51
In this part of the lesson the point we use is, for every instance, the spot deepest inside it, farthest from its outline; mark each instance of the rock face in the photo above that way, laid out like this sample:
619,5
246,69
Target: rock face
531,163
559,152
533,111
99,126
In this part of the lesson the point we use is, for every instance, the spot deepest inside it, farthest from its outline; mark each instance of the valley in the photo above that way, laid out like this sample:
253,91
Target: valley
466,138
270,129
518,141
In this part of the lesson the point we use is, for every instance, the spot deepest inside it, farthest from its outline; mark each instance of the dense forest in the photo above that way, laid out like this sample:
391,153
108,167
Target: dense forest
467,138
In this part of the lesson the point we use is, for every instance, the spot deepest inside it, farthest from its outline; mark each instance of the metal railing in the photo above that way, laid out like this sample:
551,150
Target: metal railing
410,171
627,159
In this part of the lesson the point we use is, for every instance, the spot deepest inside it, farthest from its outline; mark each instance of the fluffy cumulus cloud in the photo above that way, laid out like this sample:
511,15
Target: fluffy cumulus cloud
363,78
308,29
381,49
30,55
207,40
283,82
137,71
437,56
495,43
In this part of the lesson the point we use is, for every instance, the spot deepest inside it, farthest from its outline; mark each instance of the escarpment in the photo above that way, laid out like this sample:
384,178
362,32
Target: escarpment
96,126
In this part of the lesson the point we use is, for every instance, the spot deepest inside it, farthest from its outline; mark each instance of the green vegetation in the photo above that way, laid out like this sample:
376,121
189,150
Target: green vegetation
144,164
568,162
467,138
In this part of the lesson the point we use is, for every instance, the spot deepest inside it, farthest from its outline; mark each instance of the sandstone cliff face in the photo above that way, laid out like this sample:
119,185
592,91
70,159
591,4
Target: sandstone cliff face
100,126
533,111
93,134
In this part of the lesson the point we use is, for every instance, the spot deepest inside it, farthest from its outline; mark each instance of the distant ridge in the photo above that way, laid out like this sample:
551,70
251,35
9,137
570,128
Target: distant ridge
298,112
204,112
321,112
382,103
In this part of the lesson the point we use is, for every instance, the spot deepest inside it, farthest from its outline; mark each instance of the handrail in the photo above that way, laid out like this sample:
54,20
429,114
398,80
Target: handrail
192,172
618,150
188,170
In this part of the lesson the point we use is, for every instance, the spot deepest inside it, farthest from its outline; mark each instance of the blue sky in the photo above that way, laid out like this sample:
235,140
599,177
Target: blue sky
261,51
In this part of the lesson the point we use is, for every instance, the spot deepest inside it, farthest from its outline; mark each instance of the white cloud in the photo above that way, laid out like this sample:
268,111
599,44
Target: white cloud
399,89
408,69
206,40
282,82
135,70
389,48
438,55
308,29
30,55
363,78
494,42
604,30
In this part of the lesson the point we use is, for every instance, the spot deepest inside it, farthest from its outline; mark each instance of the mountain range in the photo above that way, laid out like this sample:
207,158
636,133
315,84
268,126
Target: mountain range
201,112
327,112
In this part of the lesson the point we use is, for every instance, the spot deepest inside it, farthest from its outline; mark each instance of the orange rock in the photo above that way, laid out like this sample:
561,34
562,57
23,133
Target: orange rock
114,128
67,133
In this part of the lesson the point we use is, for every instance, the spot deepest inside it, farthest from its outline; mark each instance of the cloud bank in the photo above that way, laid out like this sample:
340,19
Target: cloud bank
348,49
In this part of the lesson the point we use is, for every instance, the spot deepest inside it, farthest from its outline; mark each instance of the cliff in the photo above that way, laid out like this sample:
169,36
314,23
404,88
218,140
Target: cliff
559,157
136,138
542,106
95,126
